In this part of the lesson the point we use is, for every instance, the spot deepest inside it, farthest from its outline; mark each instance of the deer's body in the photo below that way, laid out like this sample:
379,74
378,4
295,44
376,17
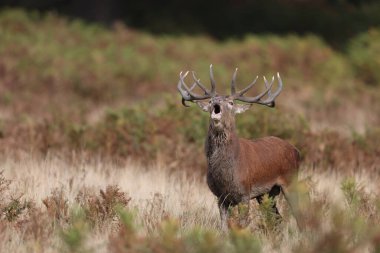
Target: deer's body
241,169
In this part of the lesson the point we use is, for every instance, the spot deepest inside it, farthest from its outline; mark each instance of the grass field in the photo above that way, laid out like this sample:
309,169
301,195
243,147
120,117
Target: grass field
50,205
97,154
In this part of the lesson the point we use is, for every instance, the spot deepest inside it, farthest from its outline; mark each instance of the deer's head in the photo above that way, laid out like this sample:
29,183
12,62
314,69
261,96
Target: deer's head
222,109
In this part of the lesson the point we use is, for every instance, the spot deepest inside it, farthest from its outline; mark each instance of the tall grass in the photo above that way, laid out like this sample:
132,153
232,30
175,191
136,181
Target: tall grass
99,207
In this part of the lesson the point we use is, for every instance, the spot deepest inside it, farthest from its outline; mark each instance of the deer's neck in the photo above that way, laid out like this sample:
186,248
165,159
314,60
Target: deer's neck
222,148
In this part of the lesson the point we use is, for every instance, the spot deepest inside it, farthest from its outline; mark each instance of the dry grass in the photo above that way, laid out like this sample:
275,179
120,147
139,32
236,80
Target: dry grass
154,195
38,178
154,192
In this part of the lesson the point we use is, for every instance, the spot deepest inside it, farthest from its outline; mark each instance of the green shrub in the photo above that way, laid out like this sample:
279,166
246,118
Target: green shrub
351,192
75,234
244,241
261,122
363,52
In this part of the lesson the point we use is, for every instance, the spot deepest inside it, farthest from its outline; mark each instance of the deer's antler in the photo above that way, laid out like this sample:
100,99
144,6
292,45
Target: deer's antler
269,101
187,93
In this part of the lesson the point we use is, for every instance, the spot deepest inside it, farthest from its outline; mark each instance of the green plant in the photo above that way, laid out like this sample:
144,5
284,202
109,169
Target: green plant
351,192
270,218
362,51
75,235
201,240
244,241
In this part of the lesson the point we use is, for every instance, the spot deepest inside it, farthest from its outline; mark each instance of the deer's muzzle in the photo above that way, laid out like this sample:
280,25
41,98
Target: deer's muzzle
216,113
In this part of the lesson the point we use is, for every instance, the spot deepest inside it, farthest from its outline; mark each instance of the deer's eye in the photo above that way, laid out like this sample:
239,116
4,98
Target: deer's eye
231,103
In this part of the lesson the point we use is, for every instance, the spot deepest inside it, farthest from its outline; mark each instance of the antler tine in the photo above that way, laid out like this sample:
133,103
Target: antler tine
266,85
186,92
212,80
268,102
183,100
241,93
197,82
280,85
233,83
271,97
189,90
257,98
193,86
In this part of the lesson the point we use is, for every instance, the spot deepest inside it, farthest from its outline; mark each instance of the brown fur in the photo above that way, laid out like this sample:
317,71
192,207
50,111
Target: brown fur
266,160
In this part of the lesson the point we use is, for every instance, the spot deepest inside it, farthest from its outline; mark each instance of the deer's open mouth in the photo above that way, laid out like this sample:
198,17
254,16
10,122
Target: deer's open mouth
216,113
217,109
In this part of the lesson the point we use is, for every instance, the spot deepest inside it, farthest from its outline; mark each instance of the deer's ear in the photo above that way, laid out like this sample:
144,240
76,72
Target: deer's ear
205,106
239,108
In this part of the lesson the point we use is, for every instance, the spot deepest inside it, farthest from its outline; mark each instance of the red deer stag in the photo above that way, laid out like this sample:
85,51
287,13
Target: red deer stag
239,169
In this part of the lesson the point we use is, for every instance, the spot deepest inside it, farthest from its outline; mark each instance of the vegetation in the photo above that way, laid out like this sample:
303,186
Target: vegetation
72,86
361,52
79,102
99,207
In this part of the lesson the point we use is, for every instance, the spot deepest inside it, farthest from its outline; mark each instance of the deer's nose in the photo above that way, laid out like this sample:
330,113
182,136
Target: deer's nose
217,108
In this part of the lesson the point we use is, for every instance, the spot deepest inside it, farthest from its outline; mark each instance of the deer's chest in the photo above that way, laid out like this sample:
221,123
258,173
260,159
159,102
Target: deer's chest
221,175
222,181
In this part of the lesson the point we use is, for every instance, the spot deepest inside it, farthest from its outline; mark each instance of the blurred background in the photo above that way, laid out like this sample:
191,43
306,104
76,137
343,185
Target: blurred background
99,78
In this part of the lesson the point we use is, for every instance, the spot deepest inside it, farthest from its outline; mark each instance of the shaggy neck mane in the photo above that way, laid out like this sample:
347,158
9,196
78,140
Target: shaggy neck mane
219,137
220,145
